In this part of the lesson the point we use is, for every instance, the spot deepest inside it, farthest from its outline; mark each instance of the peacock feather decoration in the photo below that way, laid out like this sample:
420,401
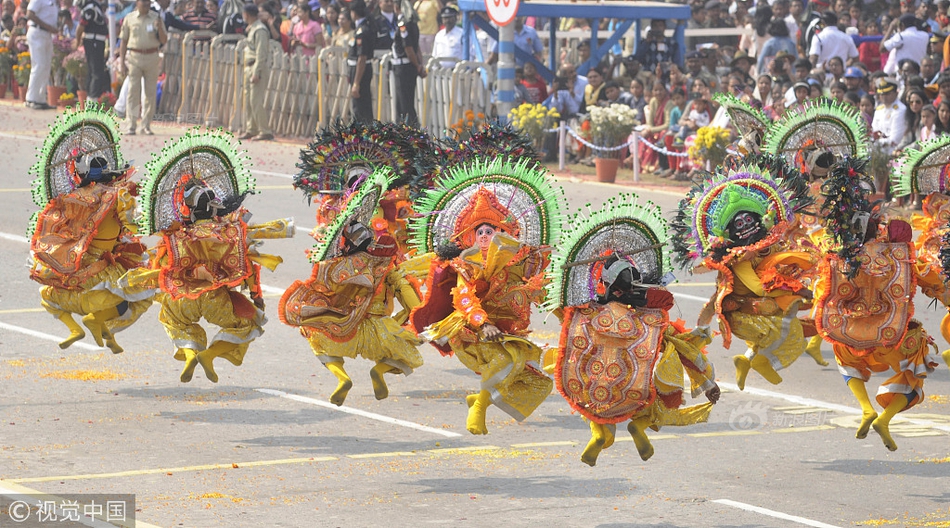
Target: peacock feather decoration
823,124
924,169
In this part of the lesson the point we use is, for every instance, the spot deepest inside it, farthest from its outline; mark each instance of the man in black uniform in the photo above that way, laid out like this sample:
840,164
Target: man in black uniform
407,65
359,62
93,32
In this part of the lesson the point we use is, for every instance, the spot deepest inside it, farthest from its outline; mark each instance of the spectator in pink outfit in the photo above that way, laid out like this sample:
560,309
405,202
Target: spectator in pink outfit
308,34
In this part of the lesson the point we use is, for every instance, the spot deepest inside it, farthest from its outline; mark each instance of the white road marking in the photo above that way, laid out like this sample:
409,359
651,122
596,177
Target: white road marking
47,337
269,173
357,412
14,238
678,295
801,400
773,513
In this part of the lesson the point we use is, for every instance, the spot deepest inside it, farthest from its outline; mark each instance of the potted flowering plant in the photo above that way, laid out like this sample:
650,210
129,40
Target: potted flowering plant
709,149
21,72
75,65
57,87
107,100
534,120
468,124
610,127
67,99
6,69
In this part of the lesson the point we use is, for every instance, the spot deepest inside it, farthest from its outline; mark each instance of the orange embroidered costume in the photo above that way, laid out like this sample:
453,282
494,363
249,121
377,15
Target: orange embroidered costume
734,220
84,240
207,253
498,218
925,169
345,308
620,357
864,300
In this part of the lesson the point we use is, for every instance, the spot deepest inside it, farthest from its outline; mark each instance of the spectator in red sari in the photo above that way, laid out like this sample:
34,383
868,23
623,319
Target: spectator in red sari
656,115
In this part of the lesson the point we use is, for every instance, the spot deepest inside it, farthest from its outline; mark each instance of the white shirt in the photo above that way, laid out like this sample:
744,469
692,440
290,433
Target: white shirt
832,42
908,44
889,120
792,27
448,43
46,10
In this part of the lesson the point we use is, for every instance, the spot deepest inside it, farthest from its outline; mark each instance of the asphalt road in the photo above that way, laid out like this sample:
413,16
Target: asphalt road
264,448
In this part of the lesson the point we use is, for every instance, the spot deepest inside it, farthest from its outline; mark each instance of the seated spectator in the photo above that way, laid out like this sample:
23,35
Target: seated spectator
534,84
594,92
853,99
837,91
928,123
637,100
854,80
763,90
657,122
676,106
65,24
815,88
562,97
834,71
695,118
780,41
867,108
522,95
942,125
615,95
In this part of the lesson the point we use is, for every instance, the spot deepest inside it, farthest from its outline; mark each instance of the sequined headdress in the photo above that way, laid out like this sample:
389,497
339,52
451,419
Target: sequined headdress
924,169
492,141
359,208
343,155
824,124
622,228
200,157
760,184
520,197
75,133
745,118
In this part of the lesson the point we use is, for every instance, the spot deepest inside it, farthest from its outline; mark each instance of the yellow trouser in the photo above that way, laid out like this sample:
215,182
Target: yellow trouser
255,119
143,68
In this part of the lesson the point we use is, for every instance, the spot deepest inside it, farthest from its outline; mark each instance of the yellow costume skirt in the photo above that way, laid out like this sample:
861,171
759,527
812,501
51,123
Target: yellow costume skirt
377,338
510,373
911,362
778,338
180,318
107,289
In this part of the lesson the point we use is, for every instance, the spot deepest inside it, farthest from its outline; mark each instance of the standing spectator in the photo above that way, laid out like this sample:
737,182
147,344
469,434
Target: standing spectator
448,41
534,84
526,39
359,62
831,42
697,21
834,71
331,22
256,71
909,43
143,34
407,66
657,47
42,16
928,69
614,94
65,24
308,34
912,118
164,10
428,13
198,15
779,41
714,20
869,53
637,100
802,68
93,33
889,123
780,10
270,17
759,31
345,34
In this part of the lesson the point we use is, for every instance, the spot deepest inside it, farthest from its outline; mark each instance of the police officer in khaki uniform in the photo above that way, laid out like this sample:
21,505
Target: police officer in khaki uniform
143,34
256,70
359,62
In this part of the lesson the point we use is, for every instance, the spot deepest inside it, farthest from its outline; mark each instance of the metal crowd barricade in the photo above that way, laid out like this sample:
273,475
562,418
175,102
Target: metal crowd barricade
333,87
196,76
227,76
171,87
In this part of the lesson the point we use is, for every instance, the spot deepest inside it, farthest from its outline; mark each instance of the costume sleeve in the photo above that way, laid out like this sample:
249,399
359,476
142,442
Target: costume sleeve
689,347
125,210
396,280
745,273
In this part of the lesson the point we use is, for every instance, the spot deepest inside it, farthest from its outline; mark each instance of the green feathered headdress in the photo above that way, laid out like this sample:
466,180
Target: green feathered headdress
744,116
522,188
359,208
75,132
824,124
622,228
212,156
924,169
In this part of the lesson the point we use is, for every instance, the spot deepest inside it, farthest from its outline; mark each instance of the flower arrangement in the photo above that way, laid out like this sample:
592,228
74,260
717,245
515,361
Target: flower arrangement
21,70
107,100
533,120
610,127
6,64
710,146
76,66
62,47
468,124
67,99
